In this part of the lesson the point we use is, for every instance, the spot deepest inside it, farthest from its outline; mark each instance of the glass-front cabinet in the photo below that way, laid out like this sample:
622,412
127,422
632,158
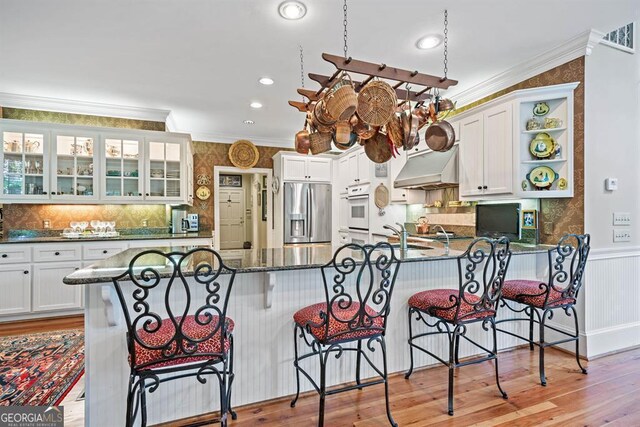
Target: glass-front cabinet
164,171
123,169
25,171
73,162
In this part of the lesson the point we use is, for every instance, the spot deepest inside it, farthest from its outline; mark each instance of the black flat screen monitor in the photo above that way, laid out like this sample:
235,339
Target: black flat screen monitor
498,220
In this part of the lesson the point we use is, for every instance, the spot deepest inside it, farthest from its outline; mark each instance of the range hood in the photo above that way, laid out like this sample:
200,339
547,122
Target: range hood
430,170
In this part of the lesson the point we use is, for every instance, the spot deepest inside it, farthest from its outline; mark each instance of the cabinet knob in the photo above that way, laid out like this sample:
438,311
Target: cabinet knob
416,149
77,268
484,187
53,192
4,255
139,194
44,192
105,251
403,195
26,272
57,253
146,194
479,187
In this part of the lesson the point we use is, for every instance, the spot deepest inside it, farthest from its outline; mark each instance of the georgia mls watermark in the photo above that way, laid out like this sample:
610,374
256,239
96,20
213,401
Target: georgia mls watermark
31,416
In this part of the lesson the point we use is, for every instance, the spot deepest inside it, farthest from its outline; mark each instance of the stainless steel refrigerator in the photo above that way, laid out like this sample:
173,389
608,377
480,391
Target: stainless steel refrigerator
307,212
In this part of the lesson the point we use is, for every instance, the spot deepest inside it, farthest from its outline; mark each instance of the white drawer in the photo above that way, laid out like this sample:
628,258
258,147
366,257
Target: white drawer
56,252
102,250
11,254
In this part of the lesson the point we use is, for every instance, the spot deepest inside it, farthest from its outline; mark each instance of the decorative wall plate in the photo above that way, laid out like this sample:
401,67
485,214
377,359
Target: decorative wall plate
243,154
540,109
542,146
542,177
203,193
562,184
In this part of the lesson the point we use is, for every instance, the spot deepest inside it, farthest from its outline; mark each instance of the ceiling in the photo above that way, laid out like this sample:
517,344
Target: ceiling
202,59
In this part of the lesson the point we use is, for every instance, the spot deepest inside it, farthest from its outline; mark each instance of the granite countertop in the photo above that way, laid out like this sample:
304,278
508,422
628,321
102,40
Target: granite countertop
58,238
258,260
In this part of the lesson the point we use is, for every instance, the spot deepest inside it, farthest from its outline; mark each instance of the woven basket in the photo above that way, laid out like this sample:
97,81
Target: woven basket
341,100
343,132
320,142
320,119
376,103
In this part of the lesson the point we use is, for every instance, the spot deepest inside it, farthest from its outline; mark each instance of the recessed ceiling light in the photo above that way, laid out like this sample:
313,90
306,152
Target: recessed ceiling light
292,10
266,81
256,105
429,42
248,122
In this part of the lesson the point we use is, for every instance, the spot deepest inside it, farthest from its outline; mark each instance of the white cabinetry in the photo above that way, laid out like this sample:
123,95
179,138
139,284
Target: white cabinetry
15,288
55,163
306,168
344,175
357,166
49,293
486,152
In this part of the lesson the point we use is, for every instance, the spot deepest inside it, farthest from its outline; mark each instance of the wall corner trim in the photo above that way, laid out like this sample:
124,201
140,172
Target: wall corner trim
578,46
29,102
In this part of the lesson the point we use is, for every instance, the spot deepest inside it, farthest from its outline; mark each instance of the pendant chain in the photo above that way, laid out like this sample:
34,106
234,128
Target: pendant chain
446,42
344,22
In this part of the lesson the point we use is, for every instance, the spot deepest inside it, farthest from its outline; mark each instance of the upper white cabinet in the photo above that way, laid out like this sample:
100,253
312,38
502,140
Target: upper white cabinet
25,170
343,175
306,168
500,156
357,168
123,169
47,163
73,162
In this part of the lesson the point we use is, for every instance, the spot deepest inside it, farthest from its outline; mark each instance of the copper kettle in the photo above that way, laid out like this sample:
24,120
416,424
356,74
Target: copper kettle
302,141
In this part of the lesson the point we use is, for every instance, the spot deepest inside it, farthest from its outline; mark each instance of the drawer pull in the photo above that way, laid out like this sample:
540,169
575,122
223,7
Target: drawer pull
4,255
57,253
105,251
26,272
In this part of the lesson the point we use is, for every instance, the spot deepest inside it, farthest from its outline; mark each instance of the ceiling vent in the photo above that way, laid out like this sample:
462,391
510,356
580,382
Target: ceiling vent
622,38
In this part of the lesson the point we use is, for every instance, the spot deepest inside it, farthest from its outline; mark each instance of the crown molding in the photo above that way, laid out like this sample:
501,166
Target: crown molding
29,102
230,139
576,47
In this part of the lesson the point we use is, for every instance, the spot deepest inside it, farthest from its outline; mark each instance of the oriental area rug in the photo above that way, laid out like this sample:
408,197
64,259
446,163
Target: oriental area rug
40,369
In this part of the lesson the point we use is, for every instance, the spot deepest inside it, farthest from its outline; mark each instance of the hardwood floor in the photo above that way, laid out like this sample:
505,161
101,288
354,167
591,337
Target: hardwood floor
607,395
41,325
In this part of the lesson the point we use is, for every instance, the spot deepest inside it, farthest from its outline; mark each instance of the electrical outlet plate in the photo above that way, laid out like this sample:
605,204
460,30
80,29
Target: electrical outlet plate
621,218
46,224
145,223
621,235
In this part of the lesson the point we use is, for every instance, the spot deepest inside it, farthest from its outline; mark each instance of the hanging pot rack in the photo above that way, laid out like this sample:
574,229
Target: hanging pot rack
372,70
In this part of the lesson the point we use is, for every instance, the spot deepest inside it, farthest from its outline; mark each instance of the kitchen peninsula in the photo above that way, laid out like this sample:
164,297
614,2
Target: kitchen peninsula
271,285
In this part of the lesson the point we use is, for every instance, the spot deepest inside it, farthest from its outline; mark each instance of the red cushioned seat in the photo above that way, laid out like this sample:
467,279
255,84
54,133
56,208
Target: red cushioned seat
311,314
192,330
517,290
425,300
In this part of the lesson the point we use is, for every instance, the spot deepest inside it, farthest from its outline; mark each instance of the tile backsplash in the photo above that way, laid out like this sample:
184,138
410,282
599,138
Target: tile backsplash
31,217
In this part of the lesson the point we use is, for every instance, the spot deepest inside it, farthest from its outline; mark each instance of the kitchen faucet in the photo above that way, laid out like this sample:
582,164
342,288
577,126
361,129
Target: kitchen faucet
401,233
446,245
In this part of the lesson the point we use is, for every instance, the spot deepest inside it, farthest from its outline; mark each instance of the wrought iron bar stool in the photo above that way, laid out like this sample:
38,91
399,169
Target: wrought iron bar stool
358,283
567,262
481,271
176,327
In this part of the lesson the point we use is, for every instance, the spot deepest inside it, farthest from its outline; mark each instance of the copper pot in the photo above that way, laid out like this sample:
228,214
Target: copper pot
302,141
378,149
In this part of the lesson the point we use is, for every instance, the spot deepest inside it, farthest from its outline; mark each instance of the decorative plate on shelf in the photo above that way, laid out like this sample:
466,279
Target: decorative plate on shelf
562,184
540,109
542,146
542,177
243,154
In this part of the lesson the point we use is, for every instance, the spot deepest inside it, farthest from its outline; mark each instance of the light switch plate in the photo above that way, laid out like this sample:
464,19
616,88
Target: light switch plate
620,235
621,218
611,184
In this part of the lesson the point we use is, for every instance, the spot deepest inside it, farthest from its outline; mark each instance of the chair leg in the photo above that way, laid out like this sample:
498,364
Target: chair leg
457,349
323,388
410,371
495,352
531,328
452,340
358,359
295,365
575,317
130,397
234,416
543,379
386,382
143,403
224,399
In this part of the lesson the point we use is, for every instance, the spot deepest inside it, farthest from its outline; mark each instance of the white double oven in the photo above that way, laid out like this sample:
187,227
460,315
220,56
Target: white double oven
358,213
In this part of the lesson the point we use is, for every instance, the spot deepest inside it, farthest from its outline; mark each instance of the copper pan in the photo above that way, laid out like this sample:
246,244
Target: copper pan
378,149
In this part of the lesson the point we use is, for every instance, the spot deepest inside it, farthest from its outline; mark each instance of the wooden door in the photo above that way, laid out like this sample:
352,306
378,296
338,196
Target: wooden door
498,150
471,165
232,230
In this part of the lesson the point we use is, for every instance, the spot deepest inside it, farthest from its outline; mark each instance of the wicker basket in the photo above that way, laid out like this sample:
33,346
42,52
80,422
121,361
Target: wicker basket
343,132
341,100
320,142
320,119
376,103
